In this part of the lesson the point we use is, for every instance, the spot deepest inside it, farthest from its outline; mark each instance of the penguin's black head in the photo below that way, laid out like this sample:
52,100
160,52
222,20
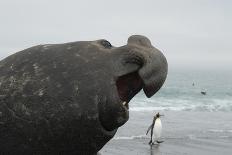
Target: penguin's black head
158,115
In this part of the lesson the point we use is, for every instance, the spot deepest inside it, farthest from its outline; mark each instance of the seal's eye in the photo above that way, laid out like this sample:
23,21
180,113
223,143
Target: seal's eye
106,44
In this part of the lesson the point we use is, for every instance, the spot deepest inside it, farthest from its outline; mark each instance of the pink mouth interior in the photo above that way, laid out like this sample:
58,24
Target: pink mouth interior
129,85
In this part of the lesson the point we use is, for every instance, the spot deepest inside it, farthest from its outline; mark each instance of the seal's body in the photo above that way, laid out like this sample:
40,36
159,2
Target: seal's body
71,98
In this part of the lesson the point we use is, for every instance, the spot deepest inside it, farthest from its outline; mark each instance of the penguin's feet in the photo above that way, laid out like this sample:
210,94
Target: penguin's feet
159,141
150,143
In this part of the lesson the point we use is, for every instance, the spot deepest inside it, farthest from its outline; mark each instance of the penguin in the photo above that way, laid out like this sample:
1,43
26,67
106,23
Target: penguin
155,127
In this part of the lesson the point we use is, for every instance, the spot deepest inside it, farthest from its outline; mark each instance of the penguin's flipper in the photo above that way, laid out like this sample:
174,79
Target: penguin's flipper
159,141
149,128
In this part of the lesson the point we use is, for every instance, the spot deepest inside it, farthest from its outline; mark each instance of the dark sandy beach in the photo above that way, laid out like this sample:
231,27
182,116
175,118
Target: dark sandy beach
169,147
188,133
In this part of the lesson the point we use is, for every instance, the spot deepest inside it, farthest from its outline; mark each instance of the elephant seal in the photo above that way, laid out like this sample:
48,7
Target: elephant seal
71,98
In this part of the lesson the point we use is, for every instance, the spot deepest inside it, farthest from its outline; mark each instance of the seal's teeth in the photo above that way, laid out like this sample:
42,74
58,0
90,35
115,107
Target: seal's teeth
124,103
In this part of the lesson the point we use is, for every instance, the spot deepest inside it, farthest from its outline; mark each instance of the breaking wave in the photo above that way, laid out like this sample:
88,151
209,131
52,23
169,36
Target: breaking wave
131,137
161,104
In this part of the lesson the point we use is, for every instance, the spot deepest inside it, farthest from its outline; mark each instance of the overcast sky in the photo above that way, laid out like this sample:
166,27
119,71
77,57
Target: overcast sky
191,33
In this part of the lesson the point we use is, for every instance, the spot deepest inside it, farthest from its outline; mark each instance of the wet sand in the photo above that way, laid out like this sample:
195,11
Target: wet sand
169,147
184,133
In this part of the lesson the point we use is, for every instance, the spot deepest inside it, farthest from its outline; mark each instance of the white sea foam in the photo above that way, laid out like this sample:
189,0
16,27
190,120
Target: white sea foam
216,130
219,131
156,109
131,137
175,104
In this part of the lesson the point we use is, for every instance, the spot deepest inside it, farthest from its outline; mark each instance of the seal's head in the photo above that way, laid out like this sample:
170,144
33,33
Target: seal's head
130,68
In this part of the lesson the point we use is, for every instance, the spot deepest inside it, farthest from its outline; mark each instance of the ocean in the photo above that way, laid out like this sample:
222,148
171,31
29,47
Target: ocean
182,92
193,123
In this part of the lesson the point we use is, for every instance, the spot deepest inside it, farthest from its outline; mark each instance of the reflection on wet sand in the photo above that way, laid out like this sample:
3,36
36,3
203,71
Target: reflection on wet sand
155,149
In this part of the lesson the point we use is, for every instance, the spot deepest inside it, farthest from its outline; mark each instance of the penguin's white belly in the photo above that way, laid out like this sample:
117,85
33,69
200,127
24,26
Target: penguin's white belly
157,130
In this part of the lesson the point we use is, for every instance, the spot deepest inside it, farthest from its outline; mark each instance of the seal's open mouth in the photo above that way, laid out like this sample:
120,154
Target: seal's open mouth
114,112
128,86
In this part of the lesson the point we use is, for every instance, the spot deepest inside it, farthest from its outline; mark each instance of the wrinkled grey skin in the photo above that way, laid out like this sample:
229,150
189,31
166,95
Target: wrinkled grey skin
63,98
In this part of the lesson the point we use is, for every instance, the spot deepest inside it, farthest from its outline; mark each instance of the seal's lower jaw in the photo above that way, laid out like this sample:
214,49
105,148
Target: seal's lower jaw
114,112
106,131
127,86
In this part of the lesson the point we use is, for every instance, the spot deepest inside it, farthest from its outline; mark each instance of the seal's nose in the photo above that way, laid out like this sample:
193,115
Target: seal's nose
139,40
154,66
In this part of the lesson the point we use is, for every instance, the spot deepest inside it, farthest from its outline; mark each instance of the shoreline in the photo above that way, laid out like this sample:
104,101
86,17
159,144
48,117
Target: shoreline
188,133
168,147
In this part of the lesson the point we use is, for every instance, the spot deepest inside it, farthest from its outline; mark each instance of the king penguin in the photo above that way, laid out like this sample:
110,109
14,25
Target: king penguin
156,130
